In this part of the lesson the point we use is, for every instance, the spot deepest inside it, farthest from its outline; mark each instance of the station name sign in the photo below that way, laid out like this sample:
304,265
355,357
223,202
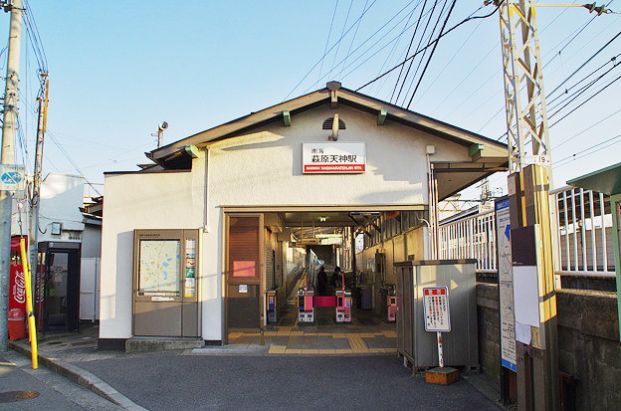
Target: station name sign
333,158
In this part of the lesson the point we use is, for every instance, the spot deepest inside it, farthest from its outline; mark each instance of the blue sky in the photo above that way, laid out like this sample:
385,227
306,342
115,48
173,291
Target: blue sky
118,69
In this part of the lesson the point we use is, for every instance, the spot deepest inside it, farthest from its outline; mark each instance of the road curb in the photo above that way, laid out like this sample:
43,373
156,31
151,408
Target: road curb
82,377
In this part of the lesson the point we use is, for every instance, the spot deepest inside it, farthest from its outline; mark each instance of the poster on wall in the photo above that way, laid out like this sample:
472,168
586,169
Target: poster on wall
190,269
505,284
333,158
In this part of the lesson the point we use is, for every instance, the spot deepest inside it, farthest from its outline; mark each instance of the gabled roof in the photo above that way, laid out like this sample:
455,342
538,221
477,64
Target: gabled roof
333,94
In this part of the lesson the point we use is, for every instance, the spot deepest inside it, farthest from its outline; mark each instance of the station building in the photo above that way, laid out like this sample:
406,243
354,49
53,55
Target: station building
192,243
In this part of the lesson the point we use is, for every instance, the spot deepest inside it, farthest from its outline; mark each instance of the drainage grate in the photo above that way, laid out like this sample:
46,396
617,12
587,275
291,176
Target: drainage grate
13,396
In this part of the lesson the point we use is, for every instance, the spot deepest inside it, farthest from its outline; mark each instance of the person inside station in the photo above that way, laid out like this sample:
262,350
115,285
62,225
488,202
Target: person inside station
322,281
336,277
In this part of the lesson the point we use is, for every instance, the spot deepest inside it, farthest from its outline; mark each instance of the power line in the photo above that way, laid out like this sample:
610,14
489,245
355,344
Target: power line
571,38
353,38
613,60
394,48
420,42
597,123
585,63
35,37
573,96
574,36
329,50
73,163
368,49
408,51
588,151
578,106
368,83
587,100
420,79
351,2
365,42
336,6
459,49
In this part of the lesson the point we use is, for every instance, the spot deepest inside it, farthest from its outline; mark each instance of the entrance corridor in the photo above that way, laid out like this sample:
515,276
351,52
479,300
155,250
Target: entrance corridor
366,334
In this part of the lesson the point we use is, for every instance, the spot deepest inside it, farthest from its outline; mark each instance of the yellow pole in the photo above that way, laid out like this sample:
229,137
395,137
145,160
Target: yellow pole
32,329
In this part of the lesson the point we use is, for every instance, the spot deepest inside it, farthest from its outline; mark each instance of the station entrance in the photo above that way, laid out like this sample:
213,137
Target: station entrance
316,282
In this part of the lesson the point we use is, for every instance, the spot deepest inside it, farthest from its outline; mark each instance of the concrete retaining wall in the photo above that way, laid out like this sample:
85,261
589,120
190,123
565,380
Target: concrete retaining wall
589,348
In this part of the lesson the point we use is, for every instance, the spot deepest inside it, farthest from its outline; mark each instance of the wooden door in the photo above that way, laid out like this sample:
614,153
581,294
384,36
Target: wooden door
243,273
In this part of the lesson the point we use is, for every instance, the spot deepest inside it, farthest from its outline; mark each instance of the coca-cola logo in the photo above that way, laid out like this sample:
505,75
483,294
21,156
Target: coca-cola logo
19,288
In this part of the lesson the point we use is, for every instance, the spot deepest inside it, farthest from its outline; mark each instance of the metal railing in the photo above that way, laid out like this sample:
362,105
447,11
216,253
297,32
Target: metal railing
584,242
472,237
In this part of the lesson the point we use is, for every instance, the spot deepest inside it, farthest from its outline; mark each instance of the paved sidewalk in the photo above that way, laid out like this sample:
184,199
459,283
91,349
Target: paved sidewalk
50,391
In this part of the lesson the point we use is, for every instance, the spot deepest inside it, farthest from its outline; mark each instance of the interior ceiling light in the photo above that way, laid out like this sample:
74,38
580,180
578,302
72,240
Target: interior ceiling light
323,219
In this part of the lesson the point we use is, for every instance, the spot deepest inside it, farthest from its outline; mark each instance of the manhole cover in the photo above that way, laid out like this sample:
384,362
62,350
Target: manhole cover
12,396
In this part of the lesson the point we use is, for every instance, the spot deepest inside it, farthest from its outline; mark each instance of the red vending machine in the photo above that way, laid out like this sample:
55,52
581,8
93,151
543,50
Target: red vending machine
17,294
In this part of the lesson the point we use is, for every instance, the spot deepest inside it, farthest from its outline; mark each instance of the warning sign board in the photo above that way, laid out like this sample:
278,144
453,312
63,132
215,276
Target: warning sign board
436,308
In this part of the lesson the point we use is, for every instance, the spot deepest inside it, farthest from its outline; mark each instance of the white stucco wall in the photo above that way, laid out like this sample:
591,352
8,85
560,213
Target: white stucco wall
260,168
265,167
138,201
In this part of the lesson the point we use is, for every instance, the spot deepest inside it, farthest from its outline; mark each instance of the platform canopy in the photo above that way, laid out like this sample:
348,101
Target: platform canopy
606,180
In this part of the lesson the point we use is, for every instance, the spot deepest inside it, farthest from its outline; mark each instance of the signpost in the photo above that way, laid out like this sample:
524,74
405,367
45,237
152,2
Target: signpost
333,158
437,315
438,319
12,177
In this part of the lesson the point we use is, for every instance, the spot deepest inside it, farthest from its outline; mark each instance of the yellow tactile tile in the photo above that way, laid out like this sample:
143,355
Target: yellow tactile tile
277,349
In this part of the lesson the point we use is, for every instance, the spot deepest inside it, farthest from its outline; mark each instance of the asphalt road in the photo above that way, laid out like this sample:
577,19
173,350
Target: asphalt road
171,381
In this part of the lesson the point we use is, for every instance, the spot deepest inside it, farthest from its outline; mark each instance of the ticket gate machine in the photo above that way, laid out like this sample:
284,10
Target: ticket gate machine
306,309
272,308
343,306
392,308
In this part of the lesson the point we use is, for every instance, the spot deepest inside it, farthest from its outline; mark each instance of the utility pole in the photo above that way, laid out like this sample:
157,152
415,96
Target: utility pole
33,217
9,129
529,184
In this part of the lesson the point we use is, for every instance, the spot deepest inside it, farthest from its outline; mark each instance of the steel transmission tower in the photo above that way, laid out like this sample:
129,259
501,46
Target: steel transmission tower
529,182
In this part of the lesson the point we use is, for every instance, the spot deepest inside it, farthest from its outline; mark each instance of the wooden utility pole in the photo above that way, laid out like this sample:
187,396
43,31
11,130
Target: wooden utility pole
33,218
9,130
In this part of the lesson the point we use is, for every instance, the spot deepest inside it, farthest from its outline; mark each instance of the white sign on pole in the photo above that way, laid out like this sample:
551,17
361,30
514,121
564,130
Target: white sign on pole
436,308
12,177
505,284
333,158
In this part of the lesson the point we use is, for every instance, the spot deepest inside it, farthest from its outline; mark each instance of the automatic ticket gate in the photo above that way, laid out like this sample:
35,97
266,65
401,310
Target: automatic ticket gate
165,284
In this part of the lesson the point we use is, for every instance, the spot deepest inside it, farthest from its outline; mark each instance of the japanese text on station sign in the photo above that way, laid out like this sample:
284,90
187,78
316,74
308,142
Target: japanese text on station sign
333,158
436,309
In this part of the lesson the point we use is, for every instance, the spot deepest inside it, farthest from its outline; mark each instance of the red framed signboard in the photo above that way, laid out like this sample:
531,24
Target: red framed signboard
436,309
333,158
